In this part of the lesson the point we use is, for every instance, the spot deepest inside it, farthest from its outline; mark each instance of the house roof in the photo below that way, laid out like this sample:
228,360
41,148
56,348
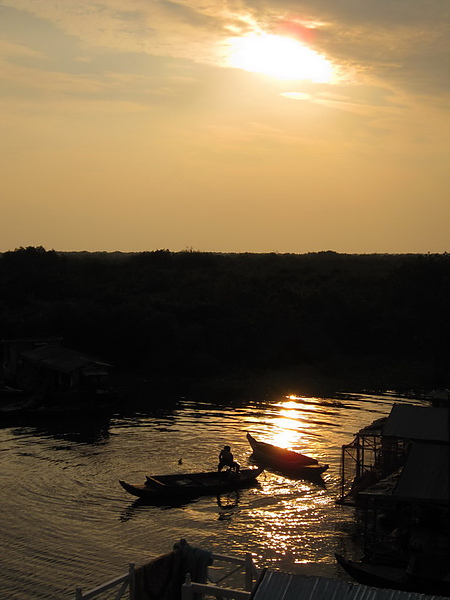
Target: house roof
61,359
374,429
411,422
277,585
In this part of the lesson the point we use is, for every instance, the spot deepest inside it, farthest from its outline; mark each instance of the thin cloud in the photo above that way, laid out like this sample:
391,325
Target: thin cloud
404,43
12,51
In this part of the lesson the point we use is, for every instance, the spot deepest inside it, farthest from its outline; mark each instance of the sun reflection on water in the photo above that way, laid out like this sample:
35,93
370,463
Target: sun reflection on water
286,507
287,529
292,424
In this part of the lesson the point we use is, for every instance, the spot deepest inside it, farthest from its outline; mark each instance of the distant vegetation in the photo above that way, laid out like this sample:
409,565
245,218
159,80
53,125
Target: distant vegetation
285,322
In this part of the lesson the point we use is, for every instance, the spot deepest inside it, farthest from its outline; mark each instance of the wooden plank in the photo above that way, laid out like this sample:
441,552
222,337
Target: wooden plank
153,480
199,480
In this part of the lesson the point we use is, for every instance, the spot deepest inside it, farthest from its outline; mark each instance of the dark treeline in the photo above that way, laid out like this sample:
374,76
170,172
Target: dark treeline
360,321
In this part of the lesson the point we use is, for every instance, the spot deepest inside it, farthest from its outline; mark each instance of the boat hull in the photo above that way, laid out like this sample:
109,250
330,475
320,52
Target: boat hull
288,462
394,578
161,487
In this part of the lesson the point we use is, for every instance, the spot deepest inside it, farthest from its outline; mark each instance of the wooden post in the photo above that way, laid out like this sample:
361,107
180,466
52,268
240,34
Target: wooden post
358,458
132,581
248,572
187,593
78,594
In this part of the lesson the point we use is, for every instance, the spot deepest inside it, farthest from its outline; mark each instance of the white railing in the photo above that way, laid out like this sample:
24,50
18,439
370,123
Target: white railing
189,588
251,572
125,581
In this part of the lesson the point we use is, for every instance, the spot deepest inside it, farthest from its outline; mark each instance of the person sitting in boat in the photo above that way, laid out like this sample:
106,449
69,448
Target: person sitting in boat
226,459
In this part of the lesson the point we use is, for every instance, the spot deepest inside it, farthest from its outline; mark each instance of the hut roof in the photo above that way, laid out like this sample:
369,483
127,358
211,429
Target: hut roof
411,422
61,359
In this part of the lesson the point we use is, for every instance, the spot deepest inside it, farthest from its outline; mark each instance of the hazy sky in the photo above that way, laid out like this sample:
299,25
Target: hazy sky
230,126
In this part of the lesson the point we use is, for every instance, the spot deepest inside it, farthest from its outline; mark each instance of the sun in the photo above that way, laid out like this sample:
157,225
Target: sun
280,57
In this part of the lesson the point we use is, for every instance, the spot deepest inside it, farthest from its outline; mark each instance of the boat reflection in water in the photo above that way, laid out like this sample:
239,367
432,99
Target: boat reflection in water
227,503
140,507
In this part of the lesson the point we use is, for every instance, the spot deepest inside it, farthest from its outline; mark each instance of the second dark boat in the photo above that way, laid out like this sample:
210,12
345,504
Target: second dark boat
289,462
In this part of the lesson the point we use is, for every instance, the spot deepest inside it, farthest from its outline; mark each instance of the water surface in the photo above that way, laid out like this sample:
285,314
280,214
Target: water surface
67,522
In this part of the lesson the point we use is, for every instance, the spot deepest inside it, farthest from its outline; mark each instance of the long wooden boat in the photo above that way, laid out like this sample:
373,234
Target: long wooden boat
167,487
286,461
394,578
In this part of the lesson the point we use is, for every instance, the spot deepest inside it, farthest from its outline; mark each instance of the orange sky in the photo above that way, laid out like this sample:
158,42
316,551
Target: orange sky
137,125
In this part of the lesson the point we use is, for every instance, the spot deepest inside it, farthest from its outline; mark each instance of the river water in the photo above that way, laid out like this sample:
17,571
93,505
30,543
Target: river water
66,522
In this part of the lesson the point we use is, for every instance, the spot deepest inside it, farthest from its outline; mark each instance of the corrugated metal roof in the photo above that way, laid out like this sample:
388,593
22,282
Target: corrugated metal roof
411,422
277,585
60,359
425,474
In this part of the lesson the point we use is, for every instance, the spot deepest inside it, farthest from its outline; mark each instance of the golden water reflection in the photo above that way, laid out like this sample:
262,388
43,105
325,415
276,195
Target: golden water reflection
292,511
293,424
288,528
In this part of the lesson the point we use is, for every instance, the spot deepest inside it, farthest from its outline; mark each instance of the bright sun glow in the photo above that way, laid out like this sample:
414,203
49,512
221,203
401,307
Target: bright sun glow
280,57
